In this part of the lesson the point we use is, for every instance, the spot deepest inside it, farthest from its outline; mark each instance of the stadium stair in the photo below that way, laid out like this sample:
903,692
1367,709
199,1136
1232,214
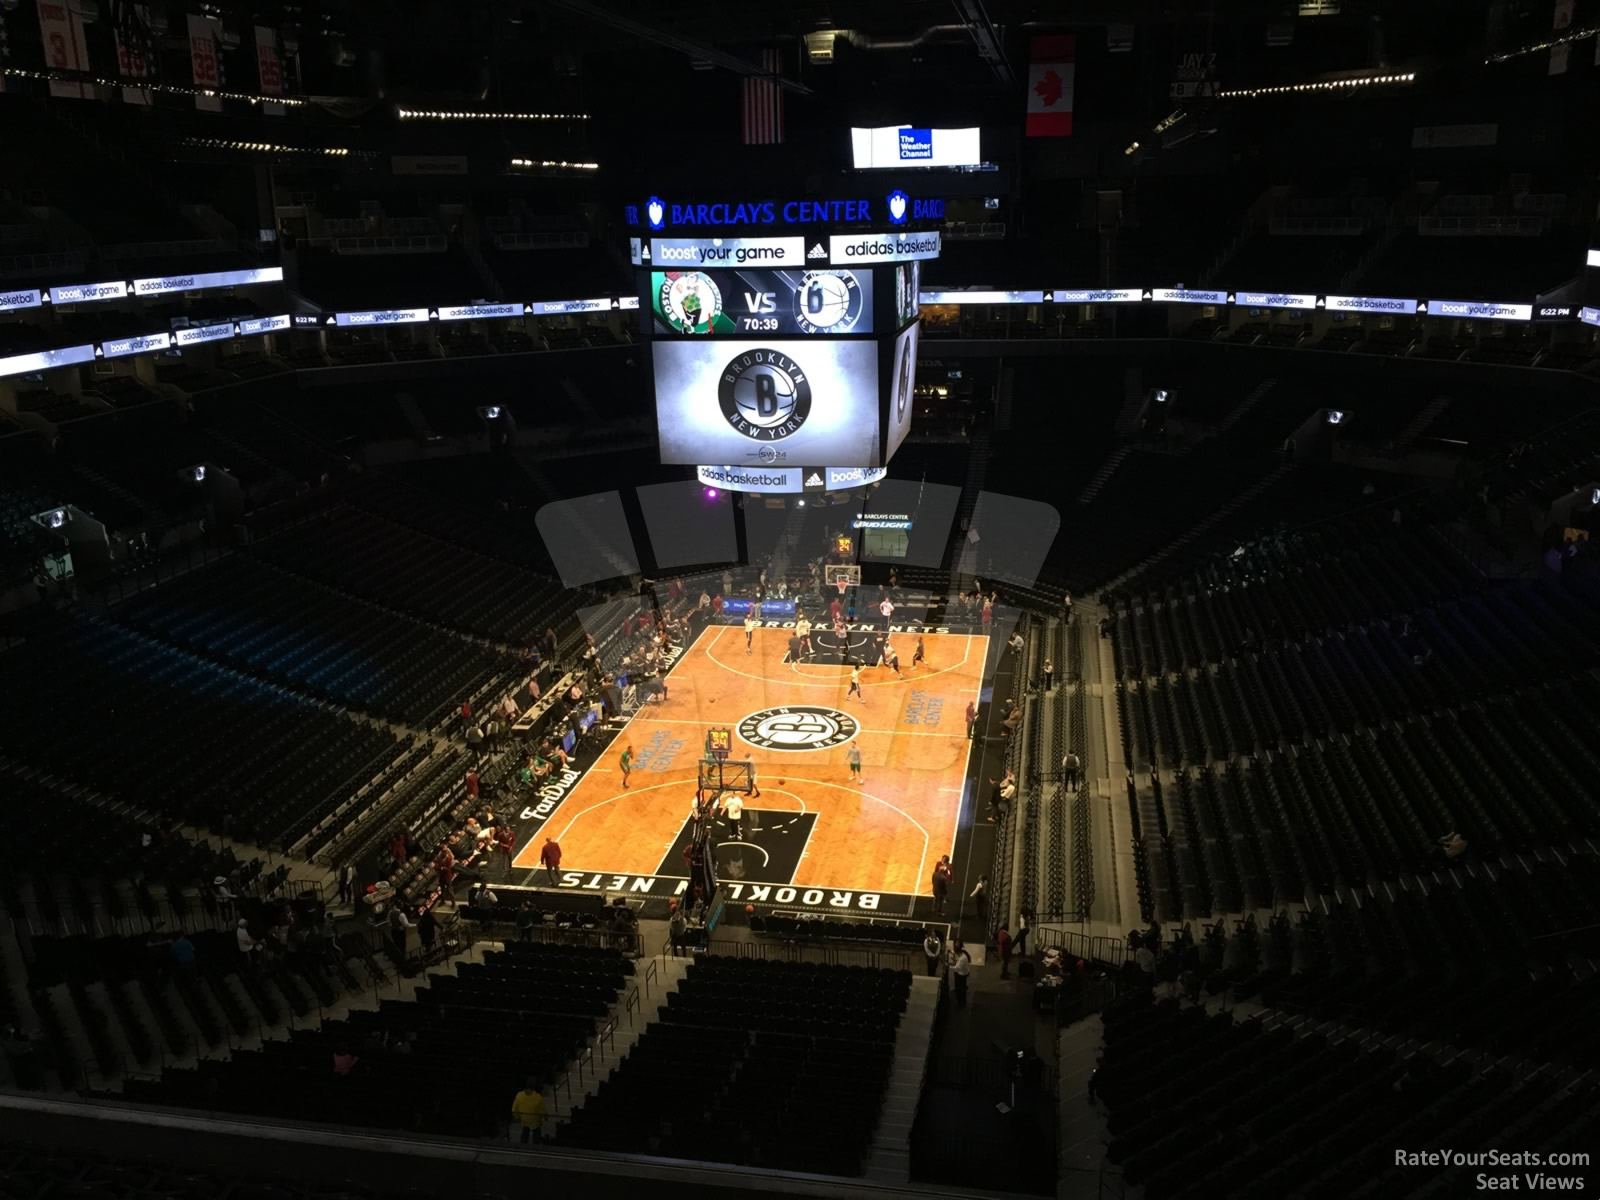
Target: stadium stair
1215,517
1420,423
889,1159
602,1055
1081,1150
1104,474
1239,411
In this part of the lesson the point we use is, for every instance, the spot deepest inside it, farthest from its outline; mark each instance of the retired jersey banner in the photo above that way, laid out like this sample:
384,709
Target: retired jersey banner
1560,26
1050,69
65,49
131,27
203,59
270,67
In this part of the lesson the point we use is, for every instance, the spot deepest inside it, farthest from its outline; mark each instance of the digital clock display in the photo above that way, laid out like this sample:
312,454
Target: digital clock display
757,324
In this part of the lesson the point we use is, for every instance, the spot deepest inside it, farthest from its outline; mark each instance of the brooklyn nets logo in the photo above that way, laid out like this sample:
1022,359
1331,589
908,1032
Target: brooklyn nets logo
827,302
764,395
798,727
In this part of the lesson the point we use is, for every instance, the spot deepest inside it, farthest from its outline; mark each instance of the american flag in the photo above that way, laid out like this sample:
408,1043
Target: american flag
763,104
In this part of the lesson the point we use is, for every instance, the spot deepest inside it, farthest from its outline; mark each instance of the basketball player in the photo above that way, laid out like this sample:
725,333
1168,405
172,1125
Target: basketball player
749,628
733,811
855,684
839,632
918,656
891,657
626,762
802,630
853,757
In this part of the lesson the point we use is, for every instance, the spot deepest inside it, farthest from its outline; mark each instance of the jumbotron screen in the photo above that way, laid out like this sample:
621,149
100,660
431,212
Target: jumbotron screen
755,302
787,401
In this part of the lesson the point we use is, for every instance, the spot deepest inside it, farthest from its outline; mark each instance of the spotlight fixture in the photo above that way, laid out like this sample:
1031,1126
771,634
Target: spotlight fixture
58,518
1335,416
198,474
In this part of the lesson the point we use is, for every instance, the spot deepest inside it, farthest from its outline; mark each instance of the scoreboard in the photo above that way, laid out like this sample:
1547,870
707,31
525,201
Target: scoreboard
806,359
797,302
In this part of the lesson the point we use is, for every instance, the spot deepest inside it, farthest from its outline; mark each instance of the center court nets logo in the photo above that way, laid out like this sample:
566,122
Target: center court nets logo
764,395
798,727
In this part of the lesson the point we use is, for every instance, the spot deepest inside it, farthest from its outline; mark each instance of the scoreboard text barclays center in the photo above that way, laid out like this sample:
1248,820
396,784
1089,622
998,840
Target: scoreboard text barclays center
781,359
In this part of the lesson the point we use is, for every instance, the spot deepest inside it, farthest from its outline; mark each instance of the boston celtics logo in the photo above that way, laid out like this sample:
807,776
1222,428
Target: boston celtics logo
798,727
689,301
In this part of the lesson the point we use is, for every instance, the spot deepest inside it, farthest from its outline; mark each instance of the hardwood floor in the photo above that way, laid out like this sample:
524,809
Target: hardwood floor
882,833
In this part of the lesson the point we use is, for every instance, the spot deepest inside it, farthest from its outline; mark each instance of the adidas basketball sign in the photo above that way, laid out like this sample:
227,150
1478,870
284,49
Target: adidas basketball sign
764,395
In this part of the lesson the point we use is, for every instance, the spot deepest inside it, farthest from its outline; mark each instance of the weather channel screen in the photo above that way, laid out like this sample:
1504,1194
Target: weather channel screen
760,402
761,301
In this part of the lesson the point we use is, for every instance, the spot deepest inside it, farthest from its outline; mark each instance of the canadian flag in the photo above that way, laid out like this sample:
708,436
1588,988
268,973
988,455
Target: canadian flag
1050,86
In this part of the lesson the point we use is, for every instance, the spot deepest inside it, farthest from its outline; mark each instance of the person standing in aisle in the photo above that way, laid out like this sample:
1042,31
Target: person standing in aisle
942,874
1071,767
934,949
527,1111
960,969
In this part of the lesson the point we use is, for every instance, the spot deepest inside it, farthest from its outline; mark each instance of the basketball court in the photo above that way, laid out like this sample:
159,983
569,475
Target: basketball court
812,836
